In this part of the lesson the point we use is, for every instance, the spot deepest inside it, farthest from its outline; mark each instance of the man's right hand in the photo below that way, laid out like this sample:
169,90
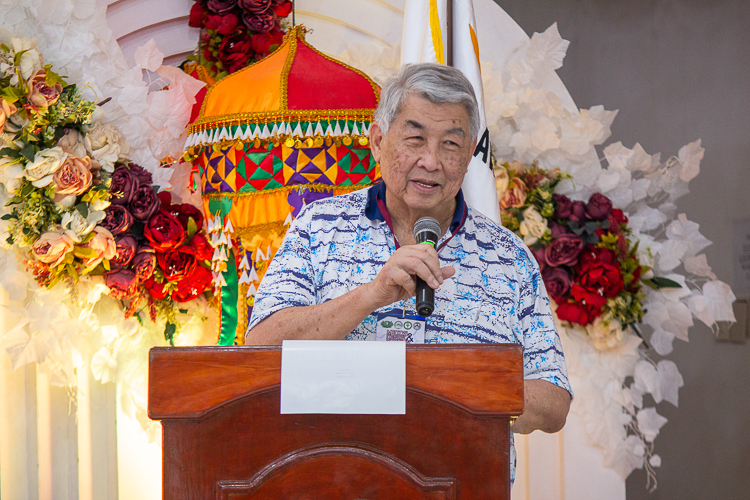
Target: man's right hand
398,278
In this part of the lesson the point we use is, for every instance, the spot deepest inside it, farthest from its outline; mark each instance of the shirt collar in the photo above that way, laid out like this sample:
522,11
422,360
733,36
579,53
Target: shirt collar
374,210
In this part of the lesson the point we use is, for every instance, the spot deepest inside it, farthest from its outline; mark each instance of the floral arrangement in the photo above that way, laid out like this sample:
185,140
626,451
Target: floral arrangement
589,264
236,33
78,208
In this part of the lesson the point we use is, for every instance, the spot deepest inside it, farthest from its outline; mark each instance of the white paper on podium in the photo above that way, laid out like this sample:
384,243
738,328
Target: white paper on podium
340,376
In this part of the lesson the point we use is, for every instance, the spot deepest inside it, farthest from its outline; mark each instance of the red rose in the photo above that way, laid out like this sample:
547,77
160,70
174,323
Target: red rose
156,289
200,247
164,231
283,10
592,255
598,207
176,264
192,286
618,216
235,51
261,43
223,25
573,312
197,15
592,300
184,212
601,279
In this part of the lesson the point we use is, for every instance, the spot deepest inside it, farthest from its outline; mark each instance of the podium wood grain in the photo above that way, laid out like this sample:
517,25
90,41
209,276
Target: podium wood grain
224,437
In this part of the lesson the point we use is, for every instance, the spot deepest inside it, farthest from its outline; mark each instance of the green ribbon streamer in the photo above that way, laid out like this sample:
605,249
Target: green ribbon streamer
229,297
231,291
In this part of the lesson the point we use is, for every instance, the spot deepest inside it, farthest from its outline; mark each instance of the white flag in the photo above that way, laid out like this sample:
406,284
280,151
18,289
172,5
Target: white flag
424,40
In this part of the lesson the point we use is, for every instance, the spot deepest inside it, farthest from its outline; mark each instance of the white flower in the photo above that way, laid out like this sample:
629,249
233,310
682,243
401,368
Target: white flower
105,144
31,60
606,334
46,163
501,180
533,226
10,174
76,226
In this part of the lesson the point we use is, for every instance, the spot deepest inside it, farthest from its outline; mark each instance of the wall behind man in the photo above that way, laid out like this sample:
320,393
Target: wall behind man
678,70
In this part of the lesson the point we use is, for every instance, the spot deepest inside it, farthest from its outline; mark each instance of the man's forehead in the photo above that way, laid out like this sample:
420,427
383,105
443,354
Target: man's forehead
419,113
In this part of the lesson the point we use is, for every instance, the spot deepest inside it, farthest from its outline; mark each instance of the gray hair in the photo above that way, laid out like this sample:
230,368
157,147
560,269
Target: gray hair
437,83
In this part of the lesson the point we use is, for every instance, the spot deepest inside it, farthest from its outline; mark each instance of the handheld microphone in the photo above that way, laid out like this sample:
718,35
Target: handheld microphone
426,231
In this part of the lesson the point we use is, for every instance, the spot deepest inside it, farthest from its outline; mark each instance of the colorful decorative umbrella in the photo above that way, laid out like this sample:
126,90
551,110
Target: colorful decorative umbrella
289,129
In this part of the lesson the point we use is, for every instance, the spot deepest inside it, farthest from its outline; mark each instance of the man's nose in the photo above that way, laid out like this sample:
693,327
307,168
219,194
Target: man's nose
429,159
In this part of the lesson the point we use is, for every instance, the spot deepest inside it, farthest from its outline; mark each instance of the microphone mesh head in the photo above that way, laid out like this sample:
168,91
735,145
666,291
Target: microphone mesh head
427,224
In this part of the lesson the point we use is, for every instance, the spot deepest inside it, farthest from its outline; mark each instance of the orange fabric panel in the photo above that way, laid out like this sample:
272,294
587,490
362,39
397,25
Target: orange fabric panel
254,89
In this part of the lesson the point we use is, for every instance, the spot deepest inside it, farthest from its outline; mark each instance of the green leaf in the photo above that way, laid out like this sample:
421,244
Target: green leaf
192,228
658,282
72,271
18,56
83,208
105,263
28,152
11,94
183,311
10,153
7,217
84,253
591,226
169,330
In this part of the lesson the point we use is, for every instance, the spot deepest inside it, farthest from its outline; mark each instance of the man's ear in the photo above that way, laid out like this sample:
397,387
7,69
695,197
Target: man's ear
376,140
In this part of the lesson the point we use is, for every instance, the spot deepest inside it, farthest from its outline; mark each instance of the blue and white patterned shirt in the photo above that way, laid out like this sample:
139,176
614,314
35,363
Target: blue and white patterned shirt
496,296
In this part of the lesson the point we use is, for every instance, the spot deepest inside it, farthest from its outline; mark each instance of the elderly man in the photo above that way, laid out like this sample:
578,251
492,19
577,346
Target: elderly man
348,259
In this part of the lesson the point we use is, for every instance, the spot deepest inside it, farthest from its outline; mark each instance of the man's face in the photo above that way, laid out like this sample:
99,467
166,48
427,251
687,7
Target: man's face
425,155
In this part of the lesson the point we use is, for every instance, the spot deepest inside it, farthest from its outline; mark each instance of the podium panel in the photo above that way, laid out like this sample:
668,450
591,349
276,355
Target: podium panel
224,437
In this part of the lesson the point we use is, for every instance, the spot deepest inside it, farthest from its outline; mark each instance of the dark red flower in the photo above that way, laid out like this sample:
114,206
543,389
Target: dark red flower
604,280
164,231
563,206
194,285
260,23
255,6
156,289
124,183
176,264
578,211
197,15
563,251
221,6
122,284
144,203
598,207
126,245
144,263
142,175
557,281
538,254
117,219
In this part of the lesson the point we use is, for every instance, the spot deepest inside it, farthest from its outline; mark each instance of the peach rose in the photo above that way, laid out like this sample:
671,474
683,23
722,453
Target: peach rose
42,95
6,110
51,248
73,178
515,195
103,245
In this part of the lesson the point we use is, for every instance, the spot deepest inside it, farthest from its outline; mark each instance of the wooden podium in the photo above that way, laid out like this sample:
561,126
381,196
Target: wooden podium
224,437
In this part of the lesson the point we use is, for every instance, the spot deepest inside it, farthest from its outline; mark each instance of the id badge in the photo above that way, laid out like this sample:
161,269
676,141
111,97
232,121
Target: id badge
395,325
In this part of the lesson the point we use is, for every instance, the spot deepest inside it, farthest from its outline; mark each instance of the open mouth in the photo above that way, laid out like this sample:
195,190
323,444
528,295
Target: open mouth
424,184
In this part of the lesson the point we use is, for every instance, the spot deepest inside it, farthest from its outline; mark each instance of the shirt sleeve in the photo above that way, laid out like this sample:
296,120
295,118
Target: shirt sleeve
543,356
289,280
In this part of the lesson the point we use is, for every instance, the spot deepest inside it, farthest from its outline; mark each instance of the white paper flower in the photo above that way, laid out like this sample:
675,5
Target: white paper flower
649,423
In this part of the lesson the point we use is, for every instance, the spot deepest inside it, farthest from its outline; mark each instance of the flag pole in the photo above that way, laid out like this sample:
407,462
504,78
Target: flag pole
449,41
